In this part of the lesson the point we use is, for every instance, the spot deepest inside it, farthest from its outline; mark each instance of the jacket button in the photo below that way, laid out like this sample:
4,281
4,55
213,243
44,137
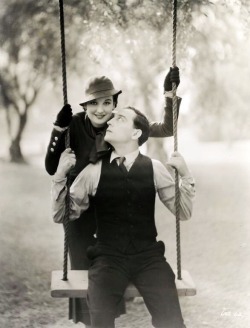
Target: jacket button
52,149
56,138
53,143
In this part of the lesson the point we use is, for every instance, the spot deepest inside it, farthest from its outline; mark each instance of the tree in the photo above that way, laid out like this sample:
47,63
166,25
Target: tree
30,57
30,53
26,60
132,41
220,70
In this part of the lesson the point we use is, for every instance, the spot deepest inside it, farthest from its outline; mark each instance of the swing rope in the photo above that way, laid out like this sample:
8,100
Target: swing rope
177,190
67,143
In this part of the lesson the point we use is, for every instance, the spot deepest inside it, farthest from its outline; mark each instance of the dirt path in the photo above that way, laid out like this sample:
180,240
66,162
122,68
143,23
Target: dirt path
215,250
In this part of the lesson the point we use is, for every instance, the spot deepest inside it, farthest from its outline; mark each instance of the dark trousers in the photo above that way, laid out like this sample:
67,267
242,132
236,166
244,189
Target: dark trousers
81,236
110,274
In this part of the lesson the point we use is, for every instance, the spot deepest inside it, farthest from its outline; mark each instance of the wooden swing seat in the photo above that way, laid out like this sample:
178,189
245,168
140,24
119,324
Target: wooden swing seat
77,284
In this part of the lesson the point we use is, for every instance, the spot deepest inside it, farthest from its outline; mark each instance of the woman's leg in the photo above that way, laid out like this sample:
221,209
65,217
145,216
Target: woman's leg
81,236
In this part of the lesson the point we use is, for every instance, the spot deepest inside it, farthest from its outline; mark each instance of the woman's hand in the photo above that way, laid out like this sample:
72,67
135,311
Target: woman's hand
64,117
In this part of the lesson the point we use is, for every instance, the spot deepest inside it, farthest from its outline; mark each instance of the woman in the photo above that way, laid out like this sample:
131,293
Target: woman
87,131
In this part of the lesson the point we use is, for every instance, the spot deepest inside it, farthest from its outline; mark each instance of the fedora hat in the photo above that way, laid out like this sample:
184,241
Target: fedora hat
97,87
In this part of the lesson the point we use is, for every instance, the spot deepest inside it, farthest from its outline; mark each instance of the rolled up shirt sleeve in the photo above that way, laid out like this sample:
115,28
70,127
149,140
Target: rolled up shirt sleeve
165,187
58,195
85,185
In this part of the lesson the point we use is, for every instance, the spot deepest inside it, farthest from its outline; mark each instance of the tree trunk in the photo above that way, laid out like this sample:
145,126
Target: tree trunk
16,155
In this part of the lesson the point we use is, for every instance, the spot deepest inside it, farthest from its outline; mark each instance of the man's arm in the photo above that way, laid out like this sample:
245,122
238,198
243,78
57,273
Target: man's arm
84,185
165,186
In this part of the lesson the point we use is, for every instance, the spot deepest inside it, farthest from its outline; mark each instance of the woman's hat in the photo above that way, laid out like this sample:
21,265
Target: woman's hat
97,87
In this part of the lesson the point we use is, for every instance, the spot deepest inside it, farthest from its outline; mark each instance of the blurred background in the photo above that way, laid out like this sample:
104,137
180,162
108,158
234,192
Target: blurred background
130,42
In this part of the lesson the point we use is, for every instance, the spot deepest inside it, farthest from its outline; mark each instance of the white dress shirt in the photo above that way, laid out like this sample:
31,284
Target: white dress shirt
87,181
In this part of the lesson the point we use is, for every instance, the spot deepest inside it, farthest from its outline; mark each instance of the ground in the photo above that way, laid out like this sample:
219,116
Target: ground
215,246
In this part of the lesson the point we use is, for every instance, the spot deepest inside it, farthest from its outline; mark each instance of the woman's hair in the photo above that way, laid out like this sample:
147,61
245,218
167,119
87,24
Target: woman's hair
140,122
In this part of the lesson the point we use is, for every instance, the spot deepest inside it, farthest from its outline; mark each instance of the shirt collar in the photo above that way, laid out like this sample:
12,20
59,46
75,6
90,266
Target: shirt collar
129,158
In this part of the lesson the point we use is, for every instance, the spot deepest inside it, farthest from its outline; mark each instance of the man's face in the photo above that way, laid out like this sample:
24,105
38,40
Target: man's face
121,126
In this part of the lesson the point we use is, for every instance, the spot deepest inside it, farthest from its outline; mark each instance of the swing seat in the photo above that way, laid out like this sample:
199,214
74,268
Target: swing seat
77,285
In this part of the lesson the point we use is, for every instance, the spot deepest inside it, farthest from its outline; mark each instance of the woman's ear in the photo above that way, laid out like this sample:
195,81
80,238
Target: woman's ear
136,134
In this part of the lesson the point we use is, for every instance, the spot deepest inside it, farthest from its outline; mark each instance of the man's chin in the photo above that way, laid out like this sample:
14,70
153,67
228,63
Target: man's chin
106,138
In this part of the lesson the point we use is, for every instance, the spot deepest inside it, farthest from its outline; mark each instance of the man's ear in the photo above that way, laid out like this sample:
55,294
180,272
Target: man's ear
136,134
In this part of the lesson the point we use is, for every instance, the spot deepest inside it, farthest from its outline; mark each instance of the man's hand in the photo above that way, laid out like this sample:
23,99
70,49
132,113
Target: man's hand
178,162
66,162
64,117
172,76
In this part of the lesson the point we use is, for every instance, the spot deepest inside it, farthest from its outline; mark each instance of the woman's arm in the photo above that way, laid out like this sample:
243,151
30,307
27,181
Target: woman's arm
57,140
165,128
55,148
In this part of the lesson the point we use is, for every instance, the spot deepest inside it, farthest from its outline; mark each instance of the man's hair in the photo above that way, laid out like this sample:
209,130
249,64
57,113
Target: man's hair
140,122
115,99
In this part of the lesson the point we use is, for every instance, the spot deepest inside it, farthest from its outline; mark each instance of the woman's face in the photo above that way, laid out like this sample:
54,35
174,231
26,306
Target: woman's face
100,110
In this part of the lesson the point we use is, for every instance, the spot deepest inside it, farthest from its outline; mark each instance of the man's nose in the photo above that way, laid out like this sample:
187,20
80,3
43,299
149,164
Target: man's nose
110,121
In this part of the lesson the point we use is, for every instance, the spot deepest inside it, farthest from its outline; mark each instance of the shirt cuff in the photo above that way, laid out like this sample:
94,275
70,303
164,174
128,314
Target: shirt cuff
58,128
188,179
58,179
168,94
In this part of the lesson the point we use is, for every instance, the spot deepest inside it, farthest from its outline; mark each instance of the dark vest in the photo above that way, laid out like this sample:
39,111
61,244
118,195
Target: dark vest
125,205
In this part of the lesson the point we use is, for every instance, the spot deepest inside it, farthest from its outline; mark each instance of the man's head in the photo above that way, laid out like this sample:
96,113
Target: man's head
128,127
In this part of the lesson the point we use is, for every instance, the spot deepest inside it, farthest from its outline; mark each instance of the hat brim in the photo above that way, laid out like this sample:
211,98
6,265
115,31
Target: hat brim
100,94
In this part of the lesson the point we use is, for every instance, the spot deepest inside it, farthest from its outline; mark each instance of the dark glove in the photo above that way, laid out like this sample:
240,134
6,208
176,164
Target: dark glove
172,76
64,117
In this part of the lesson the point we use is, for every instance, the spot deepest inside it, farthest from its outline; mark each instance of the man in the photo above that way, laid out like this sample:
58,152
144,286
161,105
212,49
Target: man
124,199
87,129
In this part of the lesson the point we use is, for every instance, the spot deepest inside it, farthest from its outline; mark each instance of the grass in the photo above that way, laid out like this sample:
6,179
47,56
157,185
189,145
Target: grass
215,250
